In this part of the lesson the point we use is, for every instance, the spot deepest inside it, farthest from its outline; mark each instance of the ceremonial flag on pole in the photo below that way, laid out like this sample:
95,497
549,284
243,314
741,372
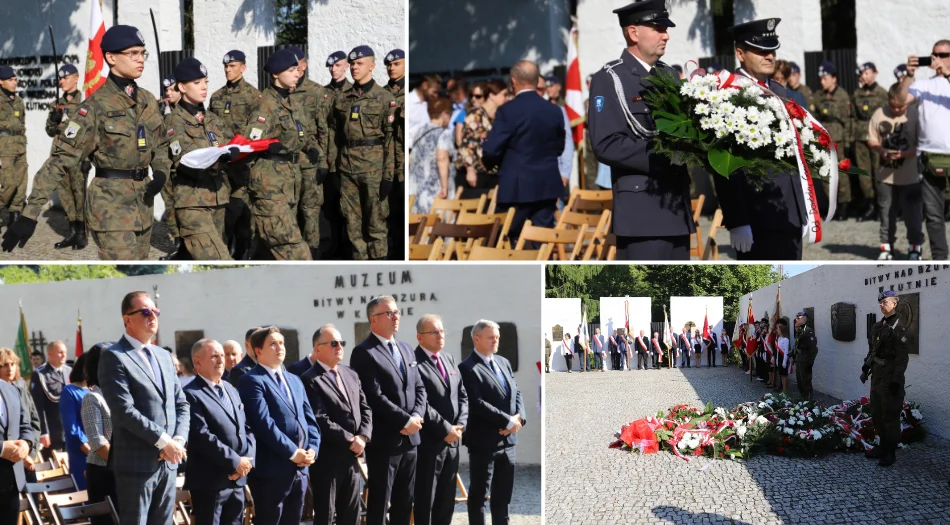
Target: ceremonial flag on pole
738,335
750,344
97,69
706,326
79,345
667,333
574,91
22,346
626,314
778,306
584,338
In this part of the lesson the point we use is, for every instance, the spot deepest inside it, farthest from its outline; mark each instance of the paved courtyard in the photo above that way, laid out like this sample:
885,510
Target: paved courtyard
587,483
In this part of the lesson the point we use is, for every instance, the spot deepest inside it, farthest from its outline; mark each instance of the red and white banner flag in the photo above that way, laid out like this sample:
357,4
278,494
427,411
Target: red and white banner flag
97,69
204,158
574,90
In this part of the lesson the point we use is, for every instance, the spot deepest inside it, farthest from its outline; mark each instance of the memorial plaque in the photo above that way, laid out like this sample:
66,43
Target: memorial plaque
843,322
507,344
557,332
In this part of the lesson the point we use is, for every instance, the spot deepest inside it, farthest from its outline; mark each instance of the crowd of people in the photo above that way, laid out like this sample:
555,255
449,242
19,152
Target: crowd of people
132,420
335,155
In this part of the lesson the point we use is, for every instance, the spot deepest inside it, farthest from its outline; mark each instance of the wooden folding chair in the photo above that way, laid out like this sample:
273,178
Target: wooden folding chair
29,514
412,202
597,227
44,466
45,489
590,200
483,253
61,459
426,252
51,474
711,251
696,241
105,508
182,516
484,231
65,500
492,200
417,225
597,244
448,209
531,233
505,218
249,511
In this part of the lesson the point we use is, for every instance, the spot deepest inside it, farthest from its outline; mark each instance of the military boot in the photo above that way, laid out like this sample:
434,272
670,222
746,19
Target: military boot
875,453
888,458
69,240
841,213
870,212
81,240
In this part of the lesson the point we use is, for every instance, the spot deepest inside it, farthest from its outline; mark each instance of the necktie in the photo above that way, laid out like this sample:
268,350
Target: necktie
500,376
156,372
225,400
438,364
339,383
398,358
301,437
3,413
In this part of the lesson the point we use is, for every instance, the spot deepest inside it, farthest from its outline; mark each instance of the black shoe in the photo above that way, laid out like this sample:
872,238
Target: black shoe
870,213
180,253
841,213
69,240
81,239
888,459
875,453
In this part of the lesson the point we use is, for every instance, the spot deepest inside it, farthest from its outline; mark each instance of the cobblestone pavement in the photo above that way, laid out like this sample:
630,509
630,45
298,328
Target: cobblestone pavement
841,240
587,483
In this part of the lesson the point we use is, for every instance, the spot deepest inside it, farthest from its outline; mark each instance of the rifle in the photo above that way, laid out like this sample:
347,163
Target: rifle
52,42
158,49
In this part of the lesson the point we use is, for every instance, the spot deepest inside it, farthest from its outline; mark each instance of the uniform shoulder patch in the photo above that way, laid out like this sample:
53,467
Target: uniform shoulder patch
599,103
83,111
72,130
261,118
392,103
170,132
175,148
256,133
392,118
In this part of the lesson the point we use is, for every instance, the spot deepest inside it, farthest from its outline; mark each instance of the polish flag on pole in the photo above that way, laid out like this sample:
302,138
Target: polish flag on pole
574,91
97,70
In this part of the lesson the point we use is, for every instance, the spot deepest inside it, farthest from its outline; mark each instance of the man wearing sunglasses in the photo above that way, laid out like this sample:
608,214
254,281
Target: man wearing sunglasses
933,104
150,416
121,130
395,392
345,420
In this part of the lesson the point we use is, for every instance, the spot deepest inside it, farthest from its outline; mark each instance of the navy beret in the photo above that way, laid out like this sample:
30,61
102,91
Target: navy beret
121,37
900,71
301,54
801,314
6,72
190,69
552,79
795,68
67,69
827,68
678,68
281,61
866,66
335,57
361,52
168,81
885,294
234,56
394,55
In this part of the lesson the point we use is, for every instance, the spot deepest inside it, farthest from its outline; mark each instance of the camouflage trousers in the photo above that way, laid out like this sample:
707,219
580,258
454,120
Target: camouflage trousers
202,231
123,245
867,160
365,214
242,224
13,176
72,194
168,196
311,199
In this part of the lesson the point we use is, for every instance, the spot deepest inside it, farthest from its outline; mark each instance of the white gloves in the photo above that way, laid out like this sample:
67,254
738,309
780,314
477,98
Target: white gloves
741,238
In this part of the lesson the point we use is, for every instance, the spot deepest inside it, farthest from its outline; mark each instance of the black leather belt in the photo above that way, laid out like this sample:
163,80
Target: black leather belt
364,143
283,157
136,175
10,132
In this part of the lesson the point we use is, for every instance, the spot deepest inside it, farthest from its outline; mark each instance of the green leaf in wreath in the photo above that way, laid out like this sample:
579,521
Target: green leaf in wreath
724,163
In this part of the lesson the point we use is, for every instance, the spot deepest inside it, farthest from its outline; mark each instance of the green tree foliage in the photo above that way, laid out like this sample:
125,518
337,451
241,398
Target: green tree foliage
16,274
591,282
292,22
133,270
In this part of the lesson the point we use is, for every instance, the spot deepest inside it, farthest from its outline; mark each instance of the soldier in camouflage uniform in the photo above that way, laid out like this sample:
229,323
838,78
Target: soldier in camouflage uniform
832,107
200,196
865,100
73,189
233,104
795,81
13,167
886,362
338,65
396,68
311,97
338,244
120,128
360,146
275,176
166,106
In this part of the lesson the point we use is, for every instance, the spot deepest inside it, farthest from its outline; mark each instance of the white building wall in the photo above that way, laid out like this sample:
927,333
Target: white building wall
838,366
225,303
564,312
799,31
252,24
612,314
686,309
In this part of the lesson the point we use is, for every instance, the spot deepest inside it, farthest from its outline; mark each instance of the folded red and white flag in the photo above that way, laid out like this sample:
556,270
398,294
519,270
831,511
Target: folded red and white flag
204,158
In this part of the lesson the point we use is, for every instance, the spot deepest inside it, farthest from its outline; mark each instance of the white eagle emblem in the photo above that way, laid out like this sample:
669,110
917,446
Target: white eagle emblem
771,24
227,58
389,57
204,70
140,37
353,56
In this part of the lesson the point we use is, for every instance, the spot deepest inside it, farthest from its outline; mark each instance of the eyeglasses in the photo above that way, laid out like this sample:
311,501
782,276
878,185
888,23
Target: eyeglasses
334,344
941,55
440,332
146,312
133,54
390,314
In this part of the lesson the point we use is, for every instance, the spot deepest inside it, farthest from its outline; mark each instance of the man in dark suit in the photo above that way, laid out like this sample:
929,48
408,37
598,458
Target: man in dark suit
643,351
233,354
222,444
623,347
46,385
496,414
580,352
346,427
394,390
288,437
525,141
299,367
248,362
599,348
765,217
445,420
18,439
651,208
614,355
685,342
150,416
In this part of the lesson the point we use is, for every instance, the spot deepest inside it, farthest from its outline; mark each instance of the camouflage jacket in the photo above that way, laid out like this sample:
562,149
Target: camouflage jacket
346,86
12,125
235,105
398,89
69,106
360,138
310,96
197,188
117,132
833,110
804,90
866,100
278,118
